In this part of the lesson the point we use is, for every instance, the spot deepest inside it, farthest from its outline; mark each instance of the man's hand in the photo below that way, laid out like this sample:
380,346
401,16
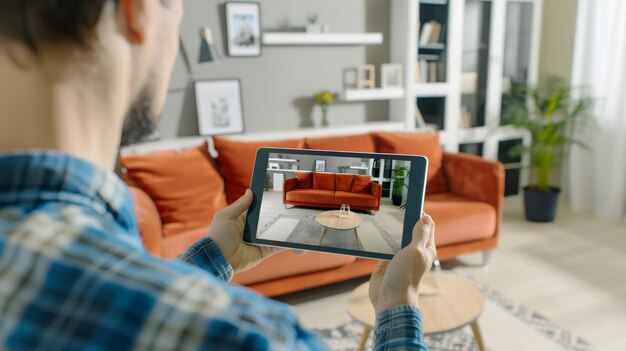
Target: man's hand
396,282
227,232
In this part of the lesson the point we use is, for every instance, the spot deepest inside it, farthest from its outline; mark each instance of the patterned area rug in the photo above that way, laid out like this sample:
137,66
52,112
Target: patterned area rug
308,231
541,333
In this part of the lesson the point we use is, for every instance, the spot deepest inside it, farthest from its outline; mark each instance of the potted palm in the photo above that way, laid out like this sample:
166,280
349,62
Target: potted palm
400,175
550,114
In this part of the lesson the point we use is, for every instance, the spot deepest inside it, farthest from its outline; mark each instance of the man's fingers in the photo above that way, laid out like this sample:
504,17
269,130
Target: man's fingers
238,207
423,232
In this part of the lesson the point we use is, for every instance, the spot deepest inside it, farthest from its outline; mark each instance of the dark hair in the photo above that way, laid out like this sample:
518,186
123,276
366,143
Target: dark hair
35,21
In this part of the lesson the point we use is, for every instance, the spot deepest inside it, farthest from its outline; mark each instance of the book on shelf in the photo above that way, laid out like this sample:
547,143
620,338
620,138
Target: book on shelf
432,71
466,118
435,36
426,32
431,33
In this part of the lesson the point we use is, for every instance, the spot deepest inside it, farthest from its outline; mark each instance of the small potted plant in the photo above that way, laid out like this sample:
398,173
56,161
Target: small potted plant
400,175
550,118
325,98
313,27
343,169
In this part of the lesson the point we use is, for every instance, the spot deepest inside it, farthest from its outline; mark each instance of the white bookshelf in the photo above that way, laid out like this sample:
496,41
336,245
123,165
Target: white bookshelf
506,27
304,39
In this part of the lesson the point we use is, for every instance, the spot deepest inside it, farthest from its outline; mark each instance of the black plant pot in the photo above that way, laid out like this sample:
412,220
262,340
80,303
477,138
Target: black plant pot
397,200
541,206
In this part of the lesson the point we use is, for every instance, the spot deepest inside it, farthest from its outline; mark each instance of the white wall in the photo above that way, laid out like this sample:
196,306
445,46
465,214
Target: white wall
557,38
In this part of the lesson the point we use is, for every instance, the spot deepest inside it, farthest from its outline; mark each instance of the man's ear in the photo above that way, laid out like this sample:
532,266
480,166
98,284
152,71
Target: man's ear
136,18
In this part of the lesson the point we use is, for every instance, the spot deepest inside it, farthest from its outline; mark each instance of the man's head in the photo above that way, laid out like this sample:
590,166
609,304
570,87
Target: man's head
122,48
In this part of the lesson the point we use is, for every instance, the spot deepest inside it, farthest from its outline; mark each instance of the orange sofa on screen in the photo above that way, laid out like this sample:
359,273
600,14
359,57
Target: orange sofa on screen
331,190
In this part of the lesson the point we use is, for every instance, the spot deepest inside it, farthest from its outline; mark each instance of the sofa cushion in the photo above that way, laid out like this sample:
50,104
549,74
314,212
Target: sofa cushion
236,161
355,199
149,221
286,264
304,179
174,246
324,181
185,186
425,144
362,184
315,196
343,182
356,143
460,219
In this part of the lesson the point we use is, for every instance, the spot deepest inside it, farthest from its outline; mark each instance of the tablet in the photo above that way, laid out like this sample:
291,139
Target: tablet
358,204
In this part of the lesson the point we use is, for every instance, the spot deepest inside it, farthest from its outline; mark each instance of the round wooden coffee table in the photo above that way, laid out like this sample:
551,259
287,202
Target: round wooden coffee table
447,303
331,219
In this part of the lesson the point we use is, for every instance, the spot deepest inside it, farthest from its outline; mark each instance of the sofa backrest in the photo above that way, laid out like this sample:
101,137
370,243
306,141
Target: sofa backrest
324,181
343,182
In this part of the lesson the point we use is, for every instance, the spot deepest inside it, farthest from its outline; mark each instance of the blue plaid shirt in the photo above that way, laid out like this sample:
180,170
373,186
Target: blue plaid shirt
74,276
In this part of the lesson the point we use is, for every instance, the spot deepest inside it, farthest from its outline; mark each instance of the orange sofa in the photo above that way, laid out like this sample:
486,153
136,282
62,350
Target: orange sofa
177,193
331,190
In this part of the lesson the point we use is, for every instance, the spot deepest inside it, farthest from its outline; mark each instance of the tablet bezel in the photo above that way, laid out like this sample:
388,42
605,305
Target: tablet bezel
413,211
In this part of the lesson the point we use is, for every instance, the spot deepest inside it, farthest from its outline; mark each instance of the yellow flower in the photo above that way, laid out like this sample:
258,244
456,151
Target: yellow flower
325,97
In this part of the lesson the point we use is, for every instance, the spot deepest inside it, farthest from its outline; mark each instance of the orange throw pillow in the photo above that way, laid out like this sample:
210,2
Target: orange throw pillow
355,143
343,182
185,186
324,181
425,144
362,184
236,161
304,180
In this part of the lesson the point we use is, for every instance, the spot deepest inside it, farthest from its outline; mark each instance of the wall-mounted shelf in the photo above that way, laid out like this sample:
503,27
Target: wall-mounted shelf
431,89
433,46
372,94
303,39
281,160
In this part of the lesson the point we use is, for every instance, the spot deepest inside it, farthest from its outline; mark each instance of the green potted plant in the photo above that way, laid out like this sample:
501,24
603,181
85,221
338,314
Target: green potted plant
400,176
343,169
325,98
550,114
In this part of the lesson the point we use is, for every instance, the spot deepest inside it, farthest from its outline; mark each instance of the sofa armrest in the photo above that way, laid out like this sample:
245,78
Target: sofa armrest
288,185
377,191
475,178
149,221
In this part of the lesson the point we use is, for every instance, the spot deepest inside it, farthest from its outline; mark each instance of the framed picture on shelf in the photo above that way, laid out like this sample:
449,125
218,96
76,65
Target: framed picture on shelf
391,75
219,107
320,165
243,29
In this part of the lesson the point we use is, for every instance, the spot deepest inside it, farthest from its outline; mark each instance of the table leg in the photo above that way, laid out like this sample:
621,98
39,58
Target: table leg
364,337
358,243
322,235
478,336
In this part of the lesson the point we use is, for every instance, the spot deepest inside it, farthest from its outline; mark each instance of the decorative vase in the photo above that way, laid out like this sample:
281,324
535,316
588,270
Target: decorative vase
324,115
540,206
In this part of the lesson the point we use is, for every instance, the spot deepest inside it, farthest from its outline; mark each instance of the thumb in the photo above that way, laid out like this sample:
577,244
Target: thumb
423,232
239,207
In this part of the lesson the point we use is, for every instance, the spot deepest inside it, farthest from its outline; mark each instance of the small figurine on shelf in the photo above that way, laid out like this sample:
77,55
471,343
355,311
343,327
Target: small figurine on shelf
325,98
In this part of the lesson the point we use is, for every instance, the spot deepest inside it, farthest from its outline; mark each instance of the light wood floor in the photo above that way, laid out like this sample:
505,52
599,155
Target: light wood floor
572,271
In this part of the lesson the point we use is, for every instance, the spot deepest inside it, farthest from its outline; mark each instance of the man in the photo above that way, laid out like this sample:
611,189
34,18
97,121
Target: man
73,272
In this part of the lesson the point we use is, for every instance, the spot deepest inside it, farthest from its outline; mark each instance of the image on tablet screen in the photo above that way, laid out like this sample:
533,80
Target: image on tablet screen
337,202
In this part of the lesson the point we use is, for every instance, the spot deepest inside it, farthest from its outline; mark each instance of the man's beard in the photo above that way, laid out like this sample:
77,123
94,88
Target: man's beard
139,125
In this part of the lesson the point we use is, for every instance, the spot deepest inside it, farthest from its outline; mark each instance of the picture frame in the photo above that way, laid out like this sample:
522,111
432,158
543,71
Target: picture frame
320,165
366,77
219,106
391,75
243,29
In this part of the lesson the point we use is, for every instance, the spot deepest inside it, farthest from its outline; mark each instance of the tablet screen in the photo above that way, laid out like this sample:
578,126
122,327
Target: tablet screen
338,202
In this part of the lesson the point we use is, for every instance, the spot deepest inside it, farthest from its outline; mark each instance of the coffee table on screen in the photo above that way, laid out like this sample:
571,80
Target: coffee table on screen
447,303
332,220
